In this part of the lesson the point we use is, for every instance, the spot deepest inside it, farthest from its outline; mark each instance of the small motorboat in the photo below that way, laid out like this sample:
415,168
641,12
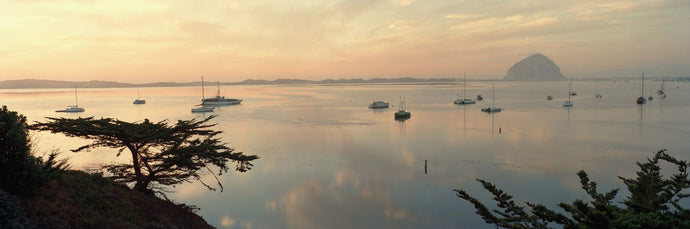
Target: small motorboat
378,104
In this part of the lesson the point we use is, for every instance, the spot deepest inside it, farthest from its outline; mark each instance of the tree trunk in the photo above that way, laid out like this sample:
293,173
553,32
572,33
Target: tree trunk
141,184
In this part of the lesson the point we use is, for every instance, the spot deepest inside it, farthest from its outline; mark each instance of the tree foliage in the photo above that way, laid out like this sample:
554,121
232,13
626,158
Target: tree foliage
20,171
654,202
162,153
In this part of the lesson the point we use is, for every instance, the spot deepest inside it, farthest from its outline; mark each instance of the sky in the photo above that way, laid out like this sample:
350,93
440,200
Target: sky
169,40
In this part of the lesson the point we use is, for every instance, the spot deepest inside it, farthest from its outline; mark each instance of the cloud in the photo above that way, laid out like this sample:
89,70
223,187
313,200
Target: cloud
308,39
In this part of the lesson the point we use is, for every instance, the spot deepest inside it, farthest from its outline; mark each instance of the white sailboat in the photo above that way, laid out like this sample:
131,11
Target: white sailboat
75,108
569,103
492,108
139,100
202,108
464,100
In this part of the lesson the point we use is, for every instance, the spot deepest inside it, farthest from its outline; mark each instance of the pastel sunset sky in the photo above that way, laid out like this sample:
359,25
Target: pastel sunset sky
151,41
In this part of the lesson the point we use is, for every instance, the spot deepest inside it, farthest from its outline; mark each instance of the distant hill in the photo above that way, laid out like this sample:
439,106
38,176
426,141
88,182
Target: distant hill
37,83
536,67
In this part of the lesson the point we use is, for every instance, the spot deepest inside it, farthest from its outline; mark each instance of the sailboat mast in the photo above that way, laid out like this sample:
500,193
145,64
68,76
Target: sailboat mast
643,85
493,94
404,103
570,89
464,86
202,89
218,85
76,100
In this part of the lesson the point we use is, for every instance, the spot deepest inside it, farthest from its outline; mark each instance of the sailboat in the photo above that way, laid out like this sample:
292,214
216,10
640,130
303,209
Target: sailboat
464,100
569,103
202,108
220,100
139,100
75,108
401,114
641,100
492,108
661,92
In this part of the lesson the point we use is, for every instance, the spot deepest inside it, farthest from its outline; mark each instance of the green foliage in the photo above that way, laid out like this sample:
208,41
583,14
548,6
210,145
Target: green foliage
162,153
654,203
20,171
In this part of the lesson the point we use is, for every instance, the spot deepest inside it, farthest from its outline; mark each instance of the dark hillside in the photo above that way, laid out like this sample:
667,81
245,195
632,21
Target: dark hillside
81,200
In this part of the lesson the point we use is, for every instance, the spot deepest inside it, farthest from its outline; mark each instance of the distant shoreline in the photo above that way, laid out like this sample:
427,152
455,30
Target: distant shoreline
40,83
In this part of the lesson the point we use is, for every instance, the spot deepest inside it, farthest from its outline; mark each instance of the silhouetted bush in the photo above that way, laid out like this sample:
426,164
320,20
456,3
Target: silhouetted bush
654,202
20,171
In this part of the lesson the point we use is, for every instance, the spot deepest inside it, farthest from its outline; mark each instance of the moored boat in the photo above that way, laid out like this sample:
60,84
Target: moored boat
378,104
492,108
219,100
75,108
401,114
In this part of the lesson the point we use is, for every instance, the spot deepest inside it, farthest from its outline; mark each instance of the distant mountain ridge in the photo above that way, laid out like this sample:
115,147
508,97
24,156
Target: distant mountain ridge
38,83
536,67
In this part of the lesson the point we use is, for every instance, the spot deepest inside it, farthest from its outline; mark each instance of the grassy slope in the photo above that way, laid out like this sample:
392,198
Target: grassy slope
82,200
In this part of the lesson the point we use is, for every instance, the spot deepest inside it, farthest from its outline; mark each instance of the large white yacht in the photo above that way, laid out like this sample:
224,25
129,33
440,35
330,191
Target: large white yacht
220,100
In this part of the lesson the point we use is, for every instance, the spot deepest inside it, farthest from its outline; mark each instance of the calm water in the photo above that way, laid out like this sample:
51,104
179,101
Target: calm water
329,162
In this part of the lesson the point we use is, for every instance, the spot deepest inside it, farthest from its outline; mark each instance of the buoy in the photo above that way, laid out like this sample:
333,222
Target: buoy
499,129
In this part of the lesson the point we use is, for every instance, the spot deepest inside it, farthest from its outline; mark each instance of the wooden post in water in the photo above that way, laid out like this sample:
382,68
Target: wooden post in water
424,166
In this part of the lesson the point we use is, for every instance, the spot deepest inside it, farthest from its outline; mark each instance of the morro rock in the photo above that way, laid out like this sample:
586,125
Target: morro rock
537,67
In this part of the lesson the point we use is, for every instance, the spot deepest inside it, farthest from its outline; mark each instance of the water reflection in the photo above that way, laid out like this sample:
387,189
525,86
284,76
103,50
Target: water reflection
327,161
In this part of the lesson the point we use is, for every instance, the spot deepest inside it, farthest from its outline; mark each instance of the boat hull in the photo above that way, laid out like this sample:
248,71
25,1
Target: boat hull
492,109
464,101
202,109
139,101
71,110
220,102
402,115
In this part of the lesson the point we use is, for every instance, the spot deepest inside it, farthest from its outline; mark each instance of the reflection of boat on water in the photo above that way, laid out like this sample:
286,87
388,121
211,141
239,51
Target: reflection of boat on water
464,100
641,100
569,103
138,100
492,108
378,104
219,100
661,92
202,108
75,108
401,114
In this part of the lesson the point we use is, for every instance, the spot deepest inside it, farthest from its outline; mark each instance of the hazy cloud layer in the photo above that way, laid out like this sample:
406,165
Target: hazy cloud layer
234,40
